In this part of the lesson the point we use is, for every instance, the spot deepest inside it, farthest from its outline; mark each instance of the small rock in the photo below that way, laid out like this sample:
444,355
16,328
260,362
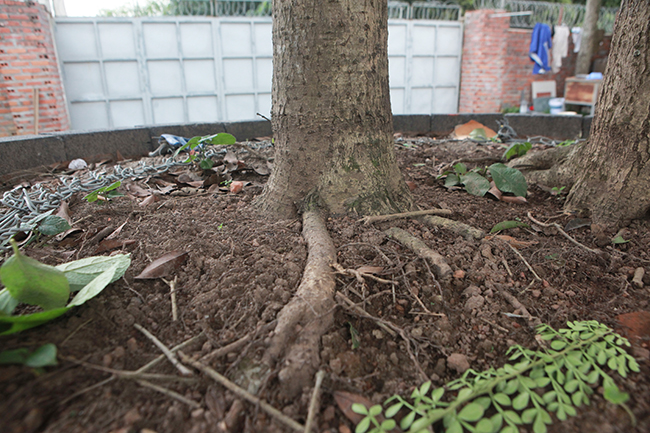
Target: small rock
132,416
416,332
441,367
570,293
536,293
471,291
146,430
107,360
459,274
337,366
637,280
458,362
132,344
444,324
474,303
198,413
329,413
378,334
393,358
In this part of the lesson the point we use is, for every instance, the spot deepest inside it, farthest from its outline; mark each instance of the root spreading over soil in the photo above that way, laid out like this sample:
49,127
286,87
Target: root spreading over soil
259,303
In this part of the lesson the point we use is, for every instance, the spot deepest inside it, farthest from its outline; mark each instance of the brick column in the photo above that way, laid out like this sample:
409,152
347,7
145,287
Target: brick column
27,62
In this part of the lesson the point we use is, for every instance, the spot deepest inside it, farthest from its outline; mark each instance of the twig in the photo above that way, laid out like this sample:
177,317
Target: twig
236,345
563,233
168,353
243,393
122,374
313,404
530,268
359,275
494,324
172,291
417,213
505,264
466,231
440,265
142,369
534,321
358,310
170,393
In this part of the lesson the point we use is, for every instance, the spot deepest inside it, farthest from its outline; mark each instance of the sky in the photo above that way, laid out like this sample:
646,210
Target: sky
90,8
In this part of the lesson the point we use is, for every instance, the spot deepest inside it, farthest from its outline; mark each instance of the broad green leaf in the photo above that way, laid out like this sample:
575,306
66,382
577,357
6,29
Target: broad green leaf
571,386
634,366
452,180
406,422
577,398
44,356
542,381
460,168
601,357
484,402
558,344
549,397
511,387
508,179
593,377
614,395
521,401
464,393
375,410
363,426
206,164
53,225
81,272
512,416
222,138
388,424
510,429
13,324
619,240
93,196
7,302
612,363
475,184
497,421
437,393
484,426
570,410
34,283
392,411
478,134
421,423
502,399
529,415
505,225
359,408
454,427
472,412
539,426
93,288
517,149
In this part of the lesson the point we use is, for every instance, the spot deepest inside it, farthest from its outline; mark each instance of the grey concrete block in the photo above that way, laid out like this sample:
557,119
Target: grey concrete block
417,123
247,130
547,125
587,121
28,151
132,142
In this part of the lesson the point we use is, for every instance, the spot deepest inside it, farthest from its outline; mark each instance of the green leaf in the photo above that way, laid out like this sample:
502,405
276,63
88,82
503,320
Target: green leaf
521,401
460,168
512,416
542,382
475,184
34,283
454,427
406,422
571,386
362,427
452,180
478,134
558,344
94,196
508,179
549,397
375,410
422,423
472,412
44,356
577,398
93,288
614,395
502,399
354,336
13,324
359,408
437,394
484,426
612,363
15,356
388,425
539,426
222,138
510,429
517,149
601,357
505,225
619,240
206,164
497,421
81,272
392,411
484,402
529,415
7,303
511,387
53,225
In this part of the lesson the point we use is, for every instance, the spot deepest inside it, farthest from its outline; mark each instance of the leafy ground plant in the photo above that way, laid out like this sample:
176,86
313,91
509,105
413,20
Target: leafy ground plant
43,356
556,379
105,193
31,282
506,179
196,146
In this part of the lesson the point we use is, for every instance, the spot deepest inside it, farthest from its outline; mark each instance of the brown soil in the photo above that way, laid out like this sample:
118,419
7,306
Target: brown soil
242,269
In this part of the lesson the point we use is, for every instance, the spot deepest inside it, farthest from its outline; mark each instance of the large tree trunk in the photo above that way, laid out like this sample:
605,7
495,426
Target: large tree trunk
589,28
331,114
613,168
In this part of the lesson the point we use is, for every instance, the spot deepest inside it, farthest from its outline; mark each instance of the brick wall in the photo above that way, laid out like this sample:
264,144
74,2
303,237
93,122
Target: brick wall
496,68
27,62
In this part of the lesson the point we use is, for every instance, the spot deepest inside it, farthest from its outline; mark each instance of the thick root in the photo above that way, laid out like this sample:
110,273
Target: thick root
303,321
551,168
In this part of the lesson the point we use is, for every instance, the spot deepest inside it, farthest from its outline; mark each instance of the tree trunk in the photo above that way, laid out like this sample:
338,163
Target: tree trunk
589,28
331,116
613,168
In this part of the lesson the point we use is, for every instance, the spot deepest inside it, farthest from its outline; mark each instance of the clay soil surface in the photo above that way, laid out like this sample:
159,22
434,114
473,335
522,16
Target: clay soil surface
241,269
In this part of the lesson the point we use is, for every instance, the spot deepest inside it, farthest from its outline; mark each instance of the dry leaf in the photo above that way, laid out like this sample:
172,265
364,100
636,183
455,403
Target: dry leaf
516,243
411,185
495,191
513,199
117,231
345,400
164,265
63,212
149,200
111,244
136,191
370,269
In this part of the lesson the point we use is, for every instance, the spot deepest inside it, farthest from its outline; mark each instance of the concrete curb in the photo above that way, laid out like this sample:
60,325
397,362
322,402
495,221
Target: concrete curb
29,151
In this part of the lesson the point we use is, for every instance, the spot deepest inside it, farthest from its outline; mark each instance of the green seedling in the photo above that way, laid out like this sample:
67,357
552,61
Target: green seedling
105,193
566,143
31,282
196,146
505,225
619,240
557,378
354,336
53,225
557,191
516,150
505,178
44,356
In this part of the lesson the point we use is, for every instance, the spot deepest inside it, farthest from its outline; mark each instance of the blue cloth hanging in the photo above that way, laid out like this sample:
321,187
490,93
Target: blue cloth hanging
539,48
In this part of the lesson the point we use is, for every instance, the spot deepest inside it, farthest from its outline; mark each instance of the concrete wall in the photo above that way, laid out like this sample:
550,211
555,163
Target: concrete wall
28,61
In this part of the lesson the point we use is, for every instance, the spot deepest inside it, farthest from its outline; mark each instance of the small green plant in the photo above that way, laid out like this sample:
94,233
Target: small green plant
196,146
44,356
505,178
557,191
516,150
505,225
31,282
566,143
105,193
555,379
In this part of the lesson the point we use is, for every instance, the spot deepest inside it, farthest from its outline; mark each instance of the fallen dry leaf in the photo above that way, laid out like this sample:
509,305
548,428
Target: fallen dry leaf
370,269
64,212
117,231
149,200
513,199
163,266
136,190
411,185
111,244
345,400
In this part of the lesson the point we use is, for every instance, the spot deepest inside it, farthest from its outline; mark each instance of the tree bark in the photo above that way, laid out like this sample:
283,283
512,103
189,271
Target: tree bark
331,116
589,28
613,168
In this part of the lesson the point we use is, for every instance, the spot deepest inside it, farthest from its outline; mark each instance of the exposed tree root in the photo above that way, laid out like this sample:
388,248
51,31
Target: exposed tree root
466,231
381,218
308,315
440,266
552,167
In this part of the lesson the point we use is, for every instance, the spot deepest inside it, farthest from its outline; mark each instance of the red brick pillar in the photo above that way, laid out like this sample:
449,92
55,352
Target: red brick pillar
27,62
483,64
